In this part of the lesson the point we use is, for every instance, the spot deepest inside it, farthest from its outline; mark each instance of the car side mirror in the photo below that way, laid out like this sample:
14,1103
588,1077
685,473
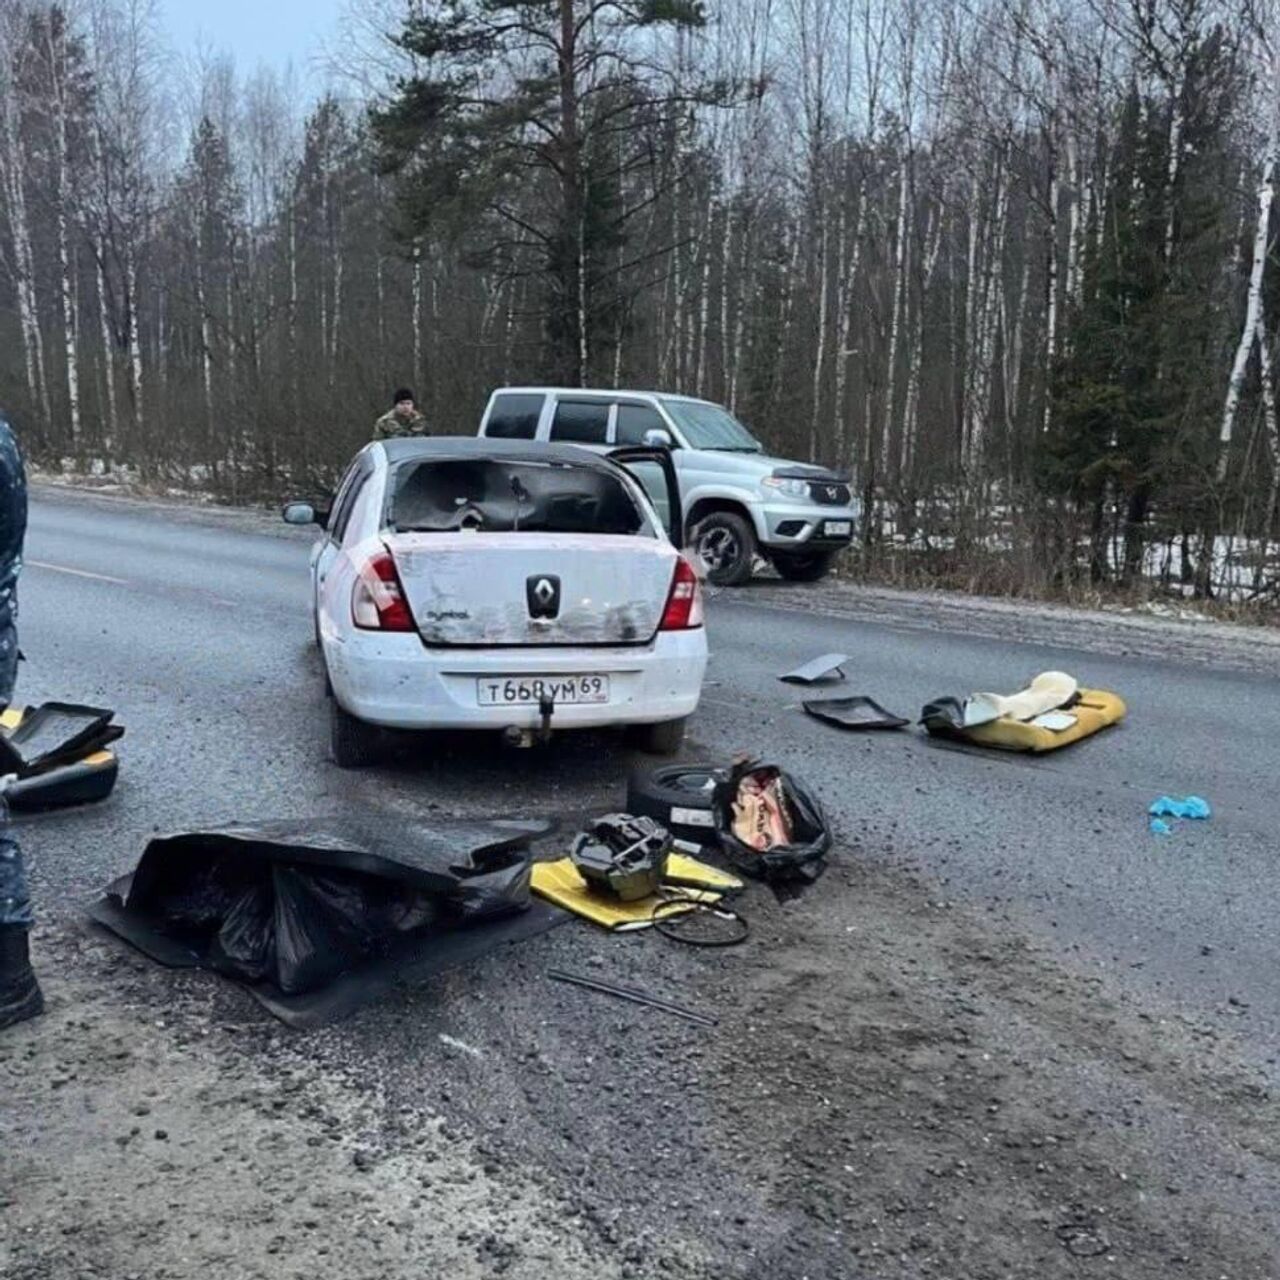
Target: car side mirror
301,513
658,438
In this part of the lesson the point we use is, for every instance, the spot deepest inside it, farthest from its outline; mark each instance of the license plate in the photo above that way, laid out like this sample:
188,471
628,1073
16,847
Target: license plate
838,528
529,691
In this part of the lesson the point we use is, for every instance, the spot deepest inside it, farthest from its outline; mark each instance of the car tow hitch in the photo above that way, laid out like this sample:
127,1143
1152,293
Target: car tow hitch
516,736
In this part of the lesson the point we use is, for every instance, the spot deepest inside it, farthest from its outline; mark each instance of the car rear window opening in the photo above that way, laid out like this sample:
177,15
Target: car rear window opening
505,497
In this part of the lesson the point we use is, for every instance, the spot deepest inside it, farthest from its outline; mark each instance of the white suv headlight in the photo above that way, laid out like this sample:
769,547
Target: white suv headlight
789,487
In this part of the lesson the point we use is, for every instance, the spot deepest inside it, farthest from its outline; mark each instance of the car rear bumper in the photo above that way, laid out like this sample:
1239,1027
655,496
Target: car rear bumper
397,681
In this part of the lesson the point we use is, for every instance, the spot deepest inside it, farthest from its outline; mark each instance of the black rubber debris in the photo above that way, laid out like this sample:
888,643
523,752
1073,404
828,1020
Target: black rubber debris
824,670
55,733
857,712
82,782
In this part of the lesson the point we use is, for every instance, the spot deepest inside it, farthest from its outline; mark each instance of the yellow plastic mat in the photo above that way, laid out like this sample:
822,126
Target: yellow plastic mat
1096,709
559,882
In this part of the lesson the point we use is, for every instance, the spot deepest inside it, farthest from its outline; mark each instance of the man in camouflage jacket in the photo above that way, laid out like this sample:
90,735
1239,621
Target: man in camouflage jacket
402,419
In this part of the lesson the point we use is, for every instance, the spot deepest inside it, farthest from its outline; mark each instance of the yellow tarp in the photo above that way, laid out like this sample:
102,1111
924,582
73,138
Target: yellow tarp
559,882
1095,710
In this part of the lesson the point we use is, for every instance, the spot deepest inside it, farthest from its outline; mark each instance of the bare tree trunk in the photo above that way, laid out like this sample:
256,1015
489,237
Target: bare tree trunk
726,257
844,322
133,336
895,317
293,298
985,312
1075,219
972,311
1013,355
787,309
911,409
1273,430
66,283
108,354
23,270
206,342
337,294
415,323
229,303
819,361
704,303
1052,281
1249,331
1177,121
66,288
746,289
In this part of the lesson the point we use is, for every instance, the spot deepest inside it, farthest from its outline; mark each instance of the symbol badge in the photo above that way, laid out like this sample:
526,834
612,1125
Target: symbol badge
543,594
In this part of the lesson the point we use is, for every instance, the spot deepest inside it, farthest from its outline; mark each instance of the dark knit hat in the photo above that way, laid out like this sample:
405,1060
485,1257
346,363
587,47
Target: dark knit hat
403,394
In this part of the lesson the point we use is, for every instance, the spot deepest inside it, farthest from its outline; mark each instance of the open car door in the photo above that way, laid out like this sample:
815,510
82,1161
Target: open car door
653,469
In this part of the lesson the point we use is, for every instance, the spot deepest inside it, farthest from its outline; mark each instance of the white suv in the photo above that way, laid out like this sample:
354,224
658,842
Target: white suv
473,584
737,501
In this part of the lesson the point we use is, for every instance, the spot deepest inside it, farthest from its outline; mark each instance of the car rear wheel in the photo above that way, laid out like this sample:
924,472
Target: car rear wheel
726,544
663,739
804,568
352,743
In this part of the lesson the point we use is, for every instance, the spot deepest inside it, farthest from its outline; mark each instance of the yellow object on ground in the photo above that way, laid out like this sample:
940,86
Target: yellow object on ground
11,719
559,882
1096,709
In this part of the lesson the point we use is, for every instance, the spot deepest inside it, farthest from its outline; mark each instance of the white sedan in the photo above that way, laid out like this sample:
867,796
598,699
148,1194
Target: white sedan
487,584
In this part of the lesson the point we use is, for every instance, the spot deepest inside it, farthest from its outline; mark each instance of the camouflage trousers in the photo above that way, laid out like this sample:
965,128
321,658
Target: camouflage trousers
15,903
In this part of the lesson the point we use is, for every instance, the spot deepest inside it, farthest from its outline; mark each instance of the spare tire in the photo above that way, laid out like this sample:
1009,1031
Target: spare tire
679,797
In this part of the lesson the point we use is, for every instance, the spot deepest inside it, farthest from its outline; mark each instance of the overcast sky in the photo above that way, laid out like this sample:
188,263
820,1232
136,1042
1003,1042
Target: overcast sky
277,32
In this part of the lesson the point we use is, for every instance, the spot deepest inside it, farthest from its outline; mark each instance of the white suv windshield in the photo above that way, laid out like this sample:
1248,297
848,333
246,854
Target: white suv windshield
708,426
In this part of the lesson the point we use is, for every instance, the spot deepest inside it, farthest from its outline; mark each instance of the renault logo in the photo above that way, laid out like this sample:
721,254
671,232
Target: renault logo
543,595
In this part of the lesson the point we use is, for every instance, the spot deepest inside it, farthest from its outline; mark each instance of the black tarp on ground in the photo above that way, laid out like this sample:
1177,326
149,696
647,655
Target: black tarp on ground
316,917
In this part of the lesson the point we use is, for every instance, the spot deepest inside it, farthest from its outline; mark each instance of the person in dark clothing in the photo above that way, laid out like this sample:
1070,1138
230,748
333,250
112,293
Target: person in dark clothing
20,996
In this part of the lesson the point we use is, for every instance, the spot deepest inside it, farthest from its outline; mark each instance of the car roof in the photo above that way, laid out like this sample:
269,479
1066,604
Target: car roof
598,391
401,449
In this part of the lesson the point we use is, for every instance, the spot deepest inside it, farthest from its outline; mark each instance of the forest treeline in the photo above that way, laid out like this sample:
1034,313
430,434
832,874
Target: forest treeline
1009,262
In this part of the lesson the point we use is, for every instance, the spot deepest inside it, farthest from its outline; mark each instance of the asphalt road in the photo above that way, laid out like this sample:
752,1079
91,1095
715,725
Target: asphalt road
1005,1011
194,626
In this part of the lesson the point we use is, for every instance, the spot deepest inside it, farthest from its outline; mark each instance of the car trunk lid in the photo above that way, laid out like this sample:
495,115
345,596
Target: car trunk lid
481,589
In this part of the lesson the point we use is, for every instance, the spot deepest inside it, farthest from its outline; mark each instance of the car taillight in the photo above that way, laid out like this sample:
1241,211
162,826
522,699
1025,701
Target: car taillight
377,599
684,604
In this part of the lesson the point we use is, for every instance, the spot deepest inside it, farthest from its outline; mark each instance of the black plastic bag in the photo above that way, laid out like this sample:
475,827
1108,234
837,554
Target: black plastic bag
804,859
244,946
494,882
321,927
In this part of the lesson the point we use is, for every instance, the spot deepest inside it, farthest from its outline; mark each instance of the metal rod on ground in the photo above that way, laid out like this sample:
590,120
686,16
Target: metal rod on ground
636,997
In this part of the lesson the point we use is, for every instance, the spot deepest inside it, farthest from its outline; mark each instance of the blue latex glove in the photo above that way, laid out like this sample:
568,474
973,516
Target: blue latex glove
1159,827
1172,807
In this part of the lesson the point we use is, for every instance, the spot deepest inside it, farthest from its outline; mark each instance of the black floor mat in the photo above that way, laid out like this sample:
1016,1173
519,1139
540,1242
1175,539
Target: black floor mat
55,733
856,712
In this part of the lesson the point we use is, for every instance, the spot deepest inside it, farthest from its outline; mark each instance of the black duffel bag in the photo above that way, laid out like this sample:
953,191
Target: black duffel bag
804,858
